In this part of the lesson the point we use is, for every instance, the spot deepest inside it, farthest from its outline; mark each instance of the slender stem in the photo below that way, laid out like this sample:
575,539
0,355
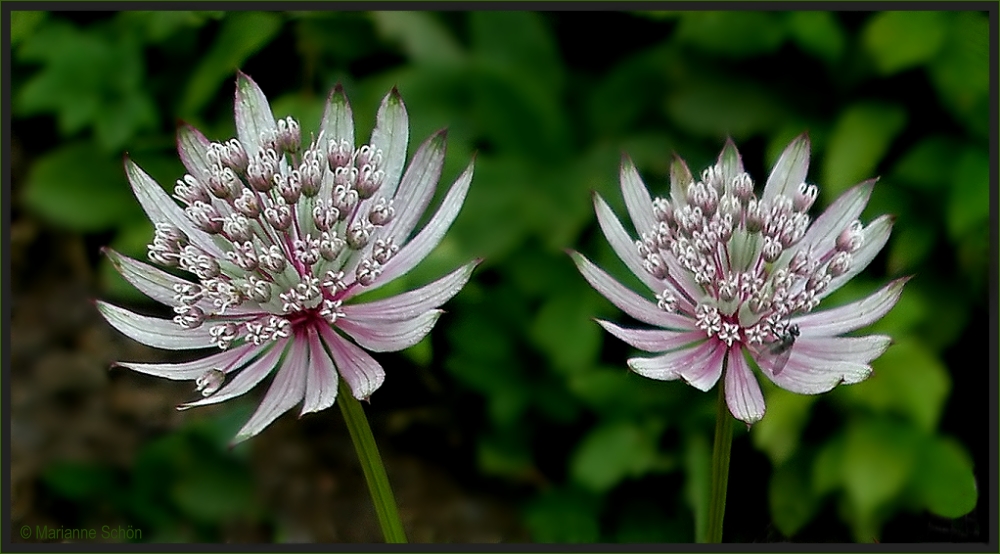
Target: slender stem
371,463
720,463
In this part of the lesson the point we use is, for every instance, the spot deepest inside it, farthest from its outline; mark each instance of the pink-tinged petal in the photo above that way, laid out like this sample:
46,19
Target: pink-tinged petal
158,333
874,237
161,208
193,149
415,302
253,114
251,375
743,395
704,376
680,179
227,361
338,120
652,340
637,200
622,244
847,349
730,161
626,300
321,378
425,241
790,170
154,283
390,336
417,187
391,134
862,313
804,375
822,234
361,372
287,390
673,365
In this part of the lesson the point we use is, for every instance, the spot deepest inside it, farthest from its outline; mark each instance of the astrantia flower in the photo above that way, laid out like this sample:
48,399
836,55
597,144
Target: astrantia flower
733,273
279,236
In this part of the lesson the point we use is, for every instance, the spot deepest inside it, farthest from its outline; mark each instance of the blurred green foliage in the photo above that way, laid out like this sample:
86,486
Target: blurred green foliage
550,101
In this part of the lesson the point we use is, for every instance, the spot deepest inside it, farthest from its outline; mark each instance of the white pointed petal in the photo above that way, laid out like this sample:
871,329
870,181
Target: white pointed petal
637,200
286,390
430,236
790,170
321,379
158,333
847,349
361,372
743,395
622,244
161,208
227,361
253,114
805,375
730,161
390,336
864,312
626,300
151,281
704,376
249,377
874,237
193,149
680,178
391,134
417,187
415,302
672,365
822,234
338,120
652,340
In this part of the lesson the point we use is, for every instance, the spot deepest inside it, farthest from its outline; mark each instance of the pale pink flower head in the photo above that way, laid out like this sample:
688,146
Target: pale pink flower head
733,273
279,236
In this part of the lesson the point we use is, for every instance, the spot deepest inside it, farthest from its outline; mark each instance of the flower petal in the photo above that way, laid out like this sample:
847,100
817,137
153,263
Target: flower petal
391,134
730,161
622,244
338,120
415,302
704,376
228,361
843,319
430,236
822,234
250,376
847,349
158,333
321,377
287,390
417,187
253,114
678,364
390,336
361,372
652,340
680,179
151,281
743,395
637,200
804,375
874,237
193,149
790,170
161,208
626,300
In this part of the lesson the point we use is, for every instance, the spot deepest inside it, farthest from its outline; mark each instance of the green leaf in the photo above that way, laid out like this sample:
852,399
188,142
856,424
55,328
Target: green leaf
78,481
826,473
779,433
78,187
565,331
531,51
928,166
960,73
860,138
723,107
909,247
731,34
899,40
618,391
563,516
23,23
421,35
818,33
945,479
506,455
879,459
969,197
612,452
242,35
792,498
214,492
697,464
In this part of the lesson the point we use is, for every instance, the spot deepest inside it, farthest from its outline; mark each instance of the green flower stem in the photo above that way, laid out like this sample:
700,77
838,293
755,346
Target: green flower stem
720,464
371,463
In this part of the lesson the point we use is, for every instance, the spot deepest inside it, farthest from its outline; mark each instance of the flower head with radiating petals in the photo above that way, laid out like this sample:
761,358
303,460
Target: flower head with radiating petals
279,236
734,273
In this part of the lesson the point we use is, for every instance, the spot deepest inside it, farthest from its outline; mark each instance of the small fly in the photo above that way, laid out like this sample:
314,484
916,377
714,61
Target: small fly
778,351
